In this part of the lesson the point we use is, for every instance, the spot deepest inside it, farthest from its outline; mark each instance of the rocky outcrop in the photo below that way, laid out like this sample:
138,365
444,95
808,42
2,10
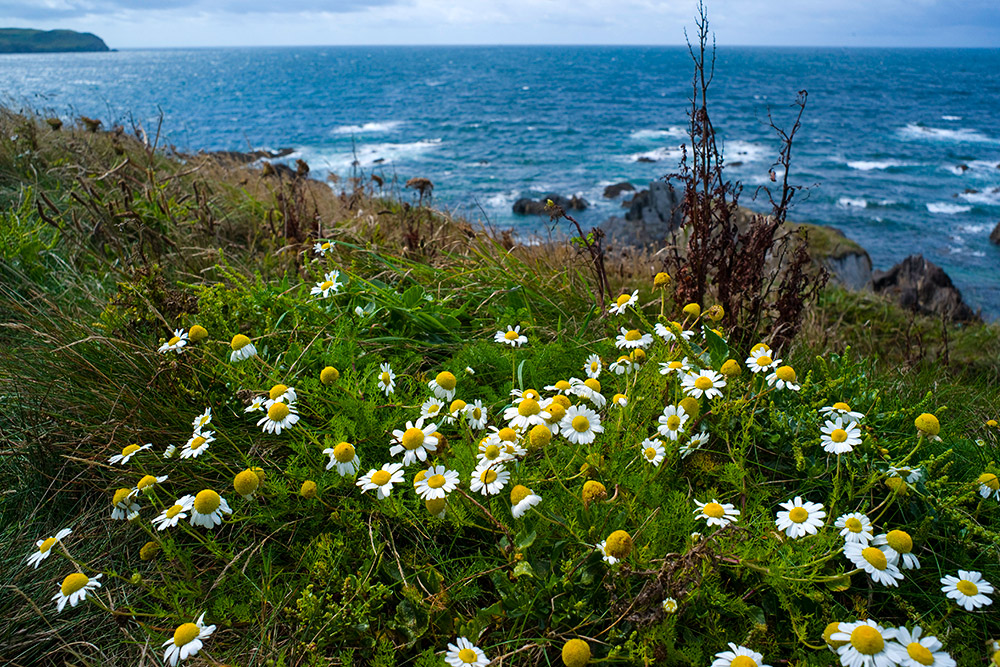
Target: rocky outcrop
848,263
995,235
651,217
250,156
525,206
612,191
923,286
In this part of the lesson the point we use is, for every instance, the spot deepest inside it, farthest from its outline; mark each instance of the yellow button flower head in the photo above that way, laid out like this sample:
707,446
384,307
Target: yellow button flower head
661,280
691,406
242,348
927,424
715,313
539,436
149,551
436,506
75,588
259,472
246,483
329,375
619,544
308,489
443,385
731,368
692,310
197,333
593,490
992,423
828,632
897,485
576,653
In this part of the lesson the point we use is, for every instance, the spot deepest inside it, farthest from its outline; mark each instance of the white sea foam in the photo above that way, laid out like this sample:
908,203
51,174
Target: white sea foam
989,168
367,154
946,208
852,202
974,229
916,131
869,165
665,153
743,151
989,197
369,128
647,135
951,118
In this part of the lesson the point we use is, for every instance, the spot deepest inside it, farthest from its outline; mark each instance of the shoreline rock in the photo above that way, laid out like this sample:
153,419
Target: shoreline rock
919,284
527,206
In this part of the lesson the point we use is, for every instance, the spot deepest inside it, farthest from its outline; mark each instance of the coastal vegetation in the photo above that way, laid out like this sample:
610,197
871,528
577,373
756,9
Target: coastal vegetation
252,419
27,40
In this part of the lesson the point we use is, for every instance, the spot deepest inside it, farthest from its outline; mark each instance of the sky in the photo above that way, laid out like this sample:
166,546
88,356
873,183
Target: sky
187,23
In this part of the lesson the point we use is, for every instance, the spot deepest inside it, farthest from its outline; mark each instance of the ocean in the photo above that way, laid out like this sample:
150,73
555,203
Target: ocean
899,148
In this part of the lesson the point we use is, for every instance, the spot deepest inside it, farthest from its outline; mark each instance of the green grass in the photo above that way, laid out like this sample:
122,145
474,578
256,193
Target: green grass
96,271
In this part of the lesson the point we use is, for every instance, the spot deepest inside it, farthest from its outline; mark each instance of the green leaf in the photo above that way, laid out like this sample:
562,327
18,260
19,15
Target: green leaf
718,350
412,296
526,540
523,569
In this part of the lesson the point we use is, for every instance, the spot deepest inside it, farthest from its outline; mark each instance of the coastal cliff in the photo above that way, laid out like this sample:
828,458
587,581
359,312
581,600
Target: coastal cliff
27,40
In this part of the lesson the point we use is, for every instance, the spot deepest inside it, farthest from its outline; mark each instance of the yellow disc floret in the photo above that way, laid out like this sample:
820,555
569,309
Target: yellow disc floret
989,480
714,510
966,587
703,383
854,525
149,551
838,435
446,380
540,435
207,501
619,544
593,384
381,477
329,375
457,405
239,342
344,452
277,412
74,582
510,335
47,544
867,640
435,505
246,482
436,481
731,368
580,424
743,661
692,309
920,653
507,433
798,514
519,493
875,556
786,373
661,279
131,449
146,482
488,476
467,655
120,496
197,333
927,423
842,406
576,653
633,335
308,489
185,634
528,407
829,631
276,391
691,406
900,541
593,490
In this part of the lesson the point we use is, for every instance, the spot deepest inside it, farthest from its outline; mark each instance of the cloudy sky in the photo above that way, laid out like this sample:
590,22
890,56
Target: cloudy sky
178,23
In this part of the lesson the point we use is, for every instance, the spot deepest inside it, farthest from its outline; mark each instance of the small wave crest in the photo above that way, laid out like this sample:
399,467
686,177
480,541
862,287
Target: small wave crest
985,197
665,153
869,165
743,151
369,128
951,118
370,155
852,202
648,135
945,208
964,135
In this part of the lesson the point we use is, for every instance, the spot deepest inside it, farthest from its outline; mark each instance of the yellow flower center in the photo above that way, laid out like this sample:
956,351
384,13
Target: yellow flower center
703,383
344,452
875,556
174,511
457,404
528,407
381,477
507,433
174,340
867,640
989,480
854,525
714,510
384,378
619,544
47,544
131,449
674,365
557,411
325,285
580,424
673,422
562,385
239,342
328,375
758,347
413,438
928,423
277,412
246,482
966,587
510,335
276,391
488,476
622,300
638,355
764,360
198,441
838,435
786,373
446,380
798,514
435,505
919,653
900,541
477,414
743,661
120,496
325,246
842,406
618,399
519,493
146,482
436,481
633,335
74,582
650,453
467,655
829,631
593,366
185,634
207,501
532,394
593,384
491,452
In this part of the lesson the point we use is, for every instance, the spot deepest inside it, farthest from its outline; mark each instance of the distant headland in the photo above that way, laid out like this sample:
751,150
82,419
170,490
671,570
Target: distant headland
27,40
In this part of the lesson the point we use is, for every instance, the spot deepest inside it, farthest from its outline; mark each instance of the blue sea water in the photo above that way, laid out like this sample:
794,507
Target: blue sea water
900,148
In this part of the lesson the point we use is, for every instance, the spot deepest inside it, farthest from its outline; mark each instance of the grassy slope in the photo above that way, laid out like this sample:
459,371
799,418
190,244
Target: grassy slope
129,244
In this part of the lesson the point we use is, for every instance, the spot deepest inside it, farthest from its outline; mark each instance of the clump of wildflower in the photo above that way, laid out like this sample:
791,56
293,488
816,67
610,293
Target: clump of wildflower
242,348
669,605
176,342
172,515
623,302
330,283
855,527
416,441
187,641
969,590
898,548
198,444
715,513
44,547
489,478
653,451
672,422
866,644
323,247
75,588
437,482
124,506
706,383
633,338
512,336
873,561
581,425
839,438
800,518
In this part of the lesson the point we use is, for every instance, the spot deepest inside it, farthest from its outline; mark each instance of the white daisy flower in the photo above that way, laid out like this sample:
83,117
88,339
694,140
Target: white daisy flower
128,452
124,507
623,302
589,389
898,548
841,410
838,438
783,377
521,500
672,421
669,605
706,383
553,414
176,343
989,484
44,547
800,518
438,482
580,425
489,478
680,367
187,641
619,400
475,415
855,527
716,513
493,450
329,284
280,393
464,653
344,458
197,444
469,370
592,367
693,444
279,417
512,336
169,451
455,411
911,475
525,414
323,247
147,482
382,480
172,515
416,441
731,658
622,365
202,420
653,451
443,385
242,348
207,509
517,395
255,405
924,652
386,379
632,339
667,335
968,589
873,561
608,558
431,408
75,588
761,361
867,644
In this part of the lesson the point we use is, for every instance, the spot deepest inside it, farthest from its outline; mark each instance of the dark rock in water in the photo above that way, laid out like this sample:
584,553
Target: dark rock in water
526,206
645,159
923,286
652,215
251,156
378,160
613,191
737,163
963,168
995,235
